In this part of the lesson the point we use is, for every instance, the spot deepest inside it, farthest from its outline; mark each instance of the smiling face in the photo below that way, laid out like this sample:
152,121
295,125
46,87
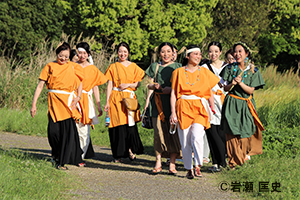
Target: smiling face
230,59
240,54
194,57
82,56
214,53
63,57
166,54
123,53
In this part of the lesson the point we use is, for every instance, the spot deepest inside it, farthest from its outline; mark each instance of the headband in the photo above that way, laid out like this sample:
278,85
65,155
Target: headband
192,50
244,45
81,49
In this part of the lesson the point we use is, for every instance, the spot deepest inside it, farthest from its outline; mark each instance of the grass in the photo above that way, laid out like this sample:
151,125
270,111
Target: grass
262,168
277,106
24,176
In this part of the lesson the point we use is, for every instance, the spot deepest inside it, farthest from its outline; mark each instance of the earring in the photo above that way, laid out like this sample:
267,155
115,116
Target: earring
246,60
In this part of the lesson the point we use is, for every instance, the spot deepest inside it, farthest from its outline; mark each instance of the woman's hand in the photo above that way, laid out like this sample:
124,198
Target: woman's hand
33,111
106,107
173,118
74,102
124,86
100,111
237,79
167,90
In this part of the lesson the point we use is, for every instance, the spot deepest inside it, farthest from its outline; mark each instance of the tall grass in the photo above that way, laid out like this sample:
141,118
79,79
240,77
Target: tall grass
18,80
278,106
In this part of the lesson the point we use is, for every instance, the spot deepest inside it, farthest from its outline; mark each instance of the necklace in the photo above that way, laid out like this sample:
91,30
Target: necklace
235,70
187,77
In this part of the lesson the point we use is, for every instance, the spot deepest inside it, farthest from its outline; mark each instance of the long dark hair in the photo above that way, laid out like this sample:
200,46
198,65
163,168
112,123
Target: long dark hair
124,44
245,47
165,44
218,44
64,46
85,46
185,60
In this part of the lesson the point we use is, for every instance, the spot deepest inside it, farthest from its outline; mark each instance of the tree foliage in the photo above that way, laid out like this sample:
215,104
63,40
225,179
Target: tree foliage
25,23
239,21
281,44
143,24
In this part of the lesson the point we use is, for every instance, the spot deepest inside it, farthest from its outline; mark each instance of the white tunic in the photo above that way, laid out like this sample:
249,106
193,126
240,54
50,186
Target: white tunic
216,118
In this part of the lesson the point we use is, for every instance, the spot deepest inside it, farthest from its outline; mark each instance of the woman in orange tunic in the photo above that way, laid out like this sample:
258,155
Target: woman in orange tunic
123,79
191,88
61,78
93,77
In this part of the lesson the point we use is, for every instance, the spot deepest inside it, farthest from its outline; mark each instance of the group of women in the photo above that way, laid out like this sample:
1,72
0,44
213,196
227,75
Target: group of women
212,99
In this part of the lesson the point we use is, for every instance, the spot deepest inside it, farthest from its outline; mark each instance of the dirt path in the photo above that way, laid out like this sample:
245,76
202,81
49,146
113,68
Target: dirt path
128,180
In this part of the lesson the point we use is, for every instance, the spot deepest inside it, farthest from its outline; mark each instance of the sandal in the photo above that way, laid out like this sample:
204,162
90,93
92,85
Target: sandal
117,160
247,158
132,157
59,167
198,172
172,172
190,174
214,169
82,164
157,170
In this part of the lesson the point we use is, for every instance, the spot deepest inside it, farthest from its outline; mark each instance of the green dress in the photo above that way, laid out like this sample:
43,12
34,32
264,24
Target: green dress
236,117
163,77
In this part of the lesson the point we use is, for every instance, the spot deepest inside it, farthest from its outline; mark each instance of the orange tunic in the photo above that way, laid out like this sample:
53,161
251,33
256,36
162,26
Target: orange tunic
192,111
130,74
61,77
92,77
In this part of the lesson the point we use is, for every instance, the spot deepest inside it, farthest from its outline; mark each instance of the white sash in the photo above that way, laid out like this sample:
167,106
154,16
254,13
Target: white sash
70,99
131,121
203,101
92,110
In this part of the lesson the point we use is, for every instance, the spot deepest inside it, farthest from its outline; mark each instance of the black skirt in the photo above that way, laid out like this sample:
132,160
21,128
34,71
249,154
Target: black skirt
124,137
64,141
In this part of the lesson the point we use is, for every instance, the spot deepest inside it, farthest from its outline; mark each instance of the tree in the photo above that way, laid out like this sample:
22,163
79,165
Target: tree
281,45
25,23
239,21
143,24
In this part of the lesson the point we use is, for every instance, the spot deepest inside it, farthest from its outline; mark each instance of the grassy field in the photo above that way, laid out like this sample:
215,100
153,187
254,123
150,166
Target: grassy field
278,106
26,177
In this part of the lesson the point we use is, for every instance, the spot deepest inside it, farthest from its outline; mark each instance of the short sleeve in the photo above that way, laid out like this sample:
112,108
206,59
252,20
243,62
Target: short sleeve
109,73
150,71
212,78
174,80
226,73
78,71
257,80
45,73
101,78
139,75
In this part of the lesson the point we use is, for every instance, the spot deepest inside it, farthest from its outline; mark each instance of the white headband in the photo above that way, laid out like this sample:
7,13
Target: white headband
91,60
81,49
192,50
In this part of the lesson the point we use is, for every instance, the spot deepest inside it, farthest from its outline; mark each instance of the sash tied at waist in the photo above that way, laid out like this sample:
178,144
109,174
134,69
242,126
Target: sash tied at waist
252,110
158,103
92,110
70,99
220,93
131,121
203,101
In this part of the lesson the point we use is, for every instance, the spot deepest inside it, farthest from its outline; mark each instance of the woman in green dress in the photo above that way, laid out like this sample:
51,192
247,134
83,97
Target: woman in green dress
166,145
239,119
